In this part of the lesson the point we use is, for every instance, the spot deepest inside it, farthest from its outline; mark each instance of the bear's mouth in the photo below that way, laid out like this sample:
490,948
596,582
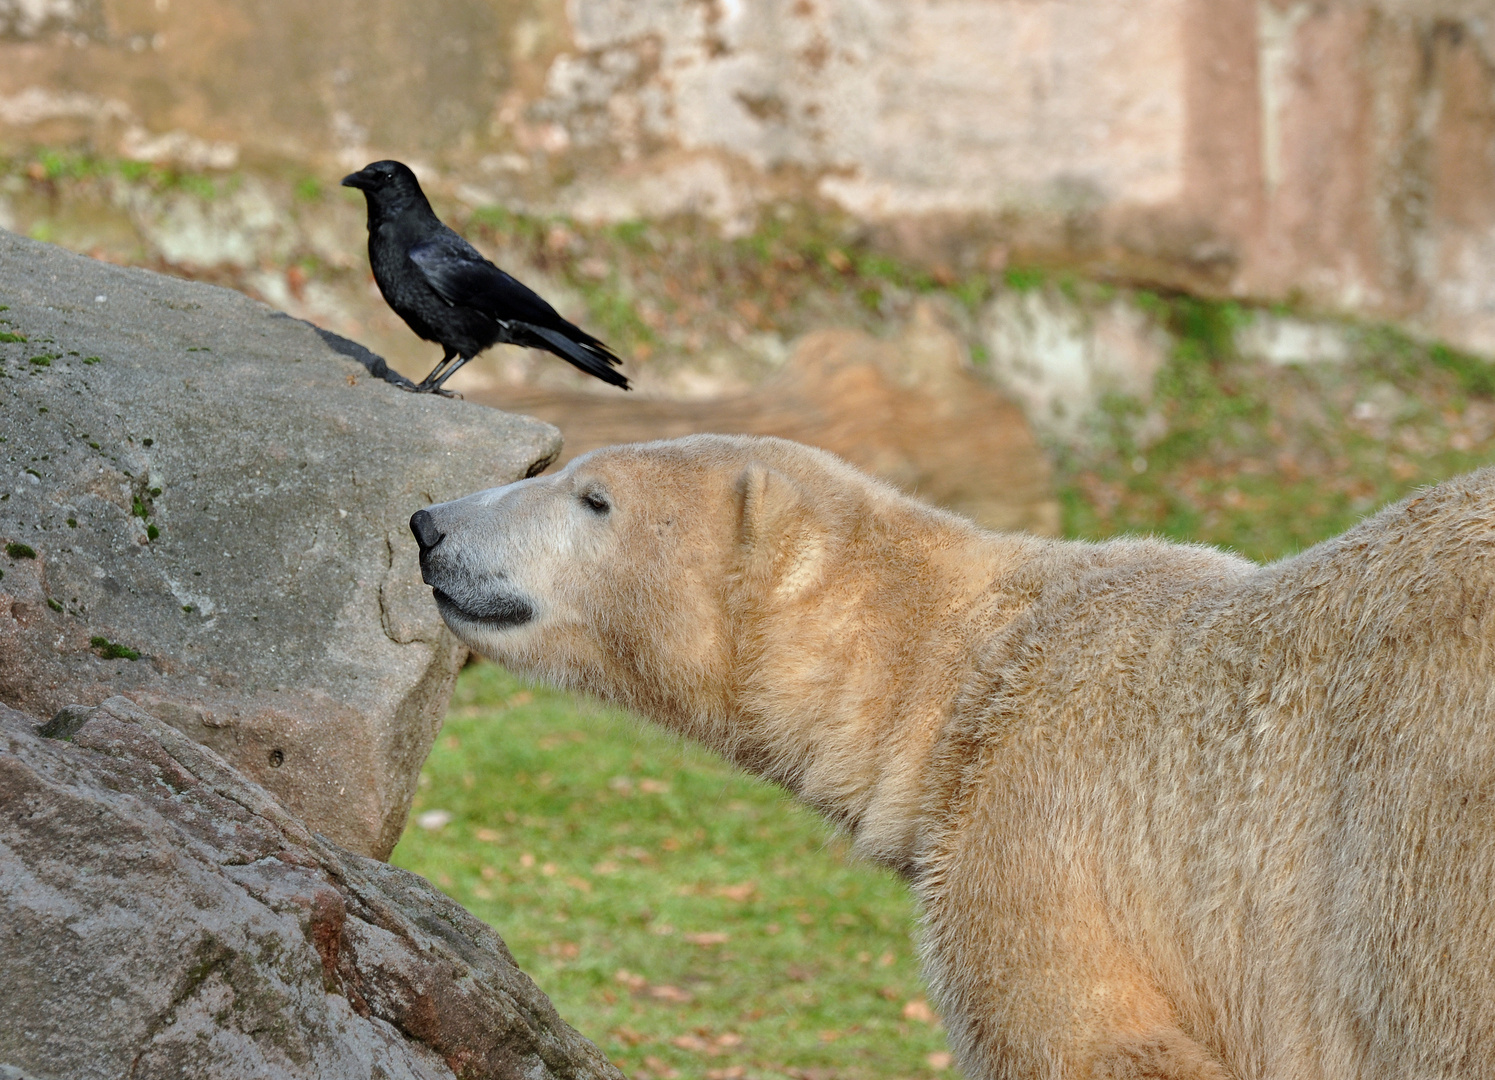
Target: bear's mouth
497,611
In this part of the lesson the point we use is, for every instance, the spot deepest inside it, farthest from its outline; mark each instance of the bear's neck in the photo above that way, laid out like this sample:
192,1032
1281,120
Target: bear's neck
850,686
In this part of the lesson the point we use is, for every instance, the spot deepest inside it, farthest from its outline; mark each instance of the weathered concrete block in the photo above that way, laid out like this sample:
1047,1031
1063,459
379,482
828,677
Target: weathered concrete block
1060,358
222,494
161,916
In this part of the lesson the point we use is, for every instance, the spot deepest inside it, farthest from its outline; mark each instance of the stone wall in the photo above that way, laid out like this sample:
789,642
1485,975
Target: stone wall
1336,152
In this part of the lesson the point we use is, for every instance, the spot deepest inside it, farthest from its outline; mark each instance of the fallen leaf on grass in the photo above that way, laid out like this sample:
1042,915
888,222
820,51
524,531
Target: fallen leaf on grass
658,1068
919,1010
732,1072
740,893
713,937
653,787
940,1060
703,1042
663,992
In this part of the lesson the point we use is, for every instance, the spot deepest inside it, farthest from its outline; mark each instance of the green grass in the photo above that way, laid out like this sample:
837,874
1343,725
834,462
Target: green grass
1269,460
690,920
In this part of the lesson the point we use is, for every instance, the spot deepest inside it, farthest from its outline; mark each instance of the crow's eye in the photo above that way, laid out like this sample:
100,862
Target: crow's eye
596,502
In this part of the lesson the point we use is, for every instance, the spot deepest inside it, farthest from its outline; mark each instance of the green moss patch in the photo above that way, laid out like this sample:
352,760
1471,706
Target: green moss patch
112,650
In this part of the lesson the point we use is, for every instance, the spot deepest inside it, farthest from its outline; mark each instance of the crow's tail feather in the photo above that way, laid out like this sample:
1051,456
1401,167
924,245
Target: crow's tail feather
593,357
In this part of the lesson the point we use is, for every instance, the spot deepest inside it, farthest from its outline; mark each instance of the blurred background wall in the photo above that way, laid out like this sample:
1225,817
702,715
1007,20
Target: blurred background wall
1338,152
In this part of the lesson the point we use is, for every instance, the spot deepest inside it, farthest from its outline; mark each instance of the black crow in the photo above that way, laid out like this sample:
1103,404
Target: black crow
448,293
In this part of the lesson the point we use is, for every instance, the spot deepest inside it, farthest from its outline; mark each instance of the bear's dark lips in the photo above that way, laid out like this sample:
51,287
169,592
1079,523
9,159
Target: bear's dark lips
497,611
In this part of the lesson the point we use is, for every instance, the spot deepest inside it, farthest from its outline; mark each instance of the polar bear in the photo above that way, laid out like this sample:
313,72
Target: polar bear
1169,814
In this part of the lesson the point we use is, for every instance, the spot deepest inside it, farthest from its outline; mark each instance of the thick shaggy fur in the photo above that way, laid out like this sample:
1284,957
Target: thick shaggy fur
1170,814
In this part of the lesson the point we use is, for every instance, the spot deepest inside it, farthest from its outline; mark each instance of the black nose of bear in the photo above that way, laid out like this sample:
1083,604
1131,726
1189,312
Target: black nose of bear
427,535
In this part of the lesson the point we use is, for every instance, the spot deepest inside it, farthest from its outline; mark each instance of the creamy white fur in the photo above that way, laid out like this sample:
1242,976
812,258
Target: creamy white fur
1169,813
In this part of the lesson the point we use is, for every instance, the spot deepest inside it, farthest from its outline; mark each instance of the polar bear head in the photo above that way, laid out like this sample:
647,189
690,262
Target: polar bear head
638,572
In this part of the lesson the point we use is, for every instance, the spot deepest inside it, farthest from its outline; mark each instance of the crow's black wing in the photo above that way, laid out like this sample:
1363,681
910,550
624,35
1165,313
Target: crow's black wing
463,278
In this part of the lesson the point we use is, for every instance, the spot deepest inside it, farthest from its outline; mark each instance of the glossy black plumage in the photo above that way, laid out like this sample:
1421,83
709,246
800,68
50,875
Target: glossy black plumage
448,293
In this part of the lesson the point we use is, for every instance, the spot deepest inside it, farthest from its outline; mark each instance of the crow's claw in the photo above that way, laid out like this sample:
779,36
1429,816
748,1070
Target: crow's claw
427,388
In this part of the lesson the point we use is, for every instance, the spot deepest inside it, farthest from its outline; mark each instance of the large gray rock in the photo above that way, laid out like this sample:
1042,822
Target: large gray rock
224,495
162,916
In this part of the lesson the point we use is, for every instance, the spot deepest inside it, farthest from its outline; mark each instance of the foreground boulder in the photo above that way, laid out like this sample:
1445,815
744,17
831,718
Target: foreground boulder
203,507
163,916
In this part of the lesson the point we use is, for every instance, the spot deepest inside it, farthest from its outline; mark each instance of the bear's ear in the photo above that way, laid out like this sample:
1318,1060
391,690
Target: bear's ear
777,526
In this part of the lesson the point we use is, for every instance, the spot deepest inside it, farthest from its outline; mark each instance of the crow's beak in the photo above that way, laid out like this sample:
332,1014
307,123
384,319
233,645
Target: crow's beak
359,179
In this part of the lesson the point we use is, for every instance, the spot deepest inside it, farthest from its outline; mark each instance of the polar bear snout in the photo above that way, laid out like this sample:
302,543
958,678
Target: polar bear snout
454,540
427,535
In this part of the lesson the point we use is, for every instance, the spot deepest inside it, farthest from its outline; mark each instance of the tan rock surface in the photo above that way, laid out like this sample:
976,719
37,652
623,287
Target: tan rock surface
908,410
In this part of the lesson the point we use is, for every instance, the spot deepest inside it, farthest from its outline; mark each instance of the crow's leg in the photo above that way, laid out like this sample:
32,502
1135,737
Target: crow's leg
445,375
438,376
